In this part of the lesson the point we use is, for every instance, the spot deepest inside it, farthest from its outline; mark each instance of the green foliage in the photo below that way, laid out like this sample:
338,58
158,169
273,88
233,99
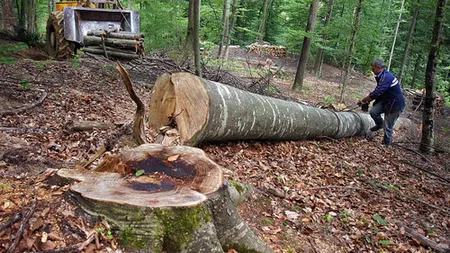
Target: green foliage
380,220
163,22
8,49
25,84
139,173
76,64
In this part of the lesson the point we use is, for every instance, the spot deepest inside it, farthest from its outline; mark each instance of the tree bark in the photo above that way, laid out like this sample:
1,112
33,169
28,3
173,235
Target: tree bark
111,53
9,15
119,43
208,111
408,41
51,6
190,28
395,35
303,61
196,37
225,27
262,25
427,141
230,28
180,203
348,63
416,70
319,57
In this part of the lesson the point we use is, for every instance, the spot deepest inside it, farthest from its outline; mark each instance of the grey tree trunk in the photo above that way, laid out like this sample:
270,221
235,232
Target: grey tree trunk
205,111
188,46
262,25
180,203
196,37
427,141
409,40
231,27
9,15
319,56
416,70
51,6
348,63
395,35
225,27
303,61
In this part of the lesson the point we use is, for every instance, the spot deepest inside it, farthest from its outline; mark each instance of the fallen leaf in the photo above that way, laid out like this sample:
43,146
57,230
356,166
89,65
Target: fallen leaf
173,158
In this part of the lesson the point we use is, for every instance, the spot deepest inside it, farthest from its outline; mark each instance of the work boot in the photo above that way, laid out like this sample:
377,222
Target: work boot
376,128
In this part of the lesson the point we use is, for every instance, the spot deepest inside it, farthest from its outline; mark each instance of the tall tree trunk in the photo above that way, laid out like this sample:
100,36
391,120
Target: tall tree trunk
348,62
408,41
190,28
395,34
51,6
319,57
427,142
416,70
196,35
262,25
225,26
303,61
9,15
31,16
231,28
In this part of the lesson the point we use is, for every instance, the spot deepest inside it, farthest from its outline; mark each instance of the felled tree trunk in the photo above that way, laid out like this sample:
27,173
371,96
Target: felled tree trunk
208,111
180,203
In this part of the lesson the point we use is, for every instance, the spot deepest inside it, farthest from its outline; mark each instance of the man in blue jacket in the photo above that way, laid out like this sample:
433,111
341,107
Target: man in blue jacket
388,98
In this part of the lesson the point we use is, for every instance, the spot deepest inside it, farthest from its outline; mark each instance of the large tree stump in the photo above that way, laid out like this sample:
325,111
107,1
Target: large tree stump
179,204
203,111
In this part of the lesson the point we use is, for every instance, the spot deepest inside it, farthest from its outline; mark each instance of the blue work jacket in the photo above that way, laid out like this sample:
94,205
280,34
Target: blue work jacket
388,92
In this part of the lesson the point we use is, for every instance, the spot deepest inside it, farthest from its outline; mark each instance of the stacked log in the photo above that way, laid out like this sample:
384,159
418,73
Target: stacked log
418,98
267,49
118,44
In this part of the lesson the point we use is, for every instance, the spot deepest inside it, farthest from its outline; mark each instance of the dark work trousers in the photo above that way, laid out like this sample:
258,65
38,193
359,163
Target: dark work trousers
388,123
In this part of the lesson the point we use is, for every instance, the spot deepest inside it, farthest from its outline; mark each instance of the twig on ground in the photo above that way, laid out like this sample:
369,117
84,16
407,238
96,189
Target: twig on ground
17,130
25,107
426,171
16,217
414,151
24,224
441,247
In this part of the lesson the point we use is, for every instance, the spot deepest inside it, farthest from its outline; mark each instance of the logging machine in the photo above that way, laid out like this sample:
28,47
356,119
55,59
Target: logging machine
96,26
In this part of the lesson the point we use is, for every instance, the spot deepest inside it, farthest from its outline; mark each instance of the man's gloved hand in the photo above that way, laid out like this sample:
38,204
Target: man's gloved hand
365,107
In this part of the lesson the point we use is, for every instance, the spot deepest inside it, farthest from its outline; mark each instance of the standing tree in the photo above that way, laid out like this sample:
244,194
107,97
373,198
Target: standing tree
348,62
427,142
301,68
409,40
395,34
319,56
51,6
9,15
262,26
225,27
196,36
230,28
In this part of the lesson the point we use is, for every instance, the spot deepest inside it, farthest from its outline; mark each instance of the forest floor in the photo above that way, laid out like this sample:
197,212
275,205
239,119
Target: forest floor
323,195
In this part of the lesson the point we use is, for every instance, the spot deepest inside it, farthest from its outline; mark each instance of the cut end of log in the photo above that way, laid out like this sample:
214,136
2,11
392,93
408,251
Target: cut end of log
180,100
163,176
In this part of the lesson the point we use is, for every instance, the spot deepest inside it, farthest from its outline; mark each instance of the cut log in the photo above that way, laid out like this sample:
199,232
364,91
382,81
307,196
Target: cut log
204,111
121,35
180,203
130,55
74,126
119,43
